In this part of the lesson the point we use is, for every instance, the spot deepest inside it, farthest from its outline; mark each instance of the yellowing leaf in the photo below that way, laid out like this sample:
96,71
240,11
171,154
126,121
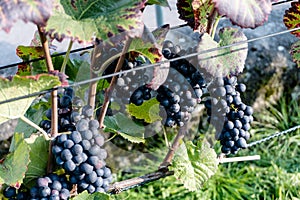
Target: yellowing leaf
20,86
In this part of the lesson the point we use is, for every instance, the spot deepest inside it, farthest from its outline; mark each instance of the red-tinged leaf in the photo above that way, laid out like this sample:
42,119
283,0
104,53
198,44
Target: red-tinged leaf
27,53
225,61
32,51
83,20
295,52
195,13
245,13
36,11
291,18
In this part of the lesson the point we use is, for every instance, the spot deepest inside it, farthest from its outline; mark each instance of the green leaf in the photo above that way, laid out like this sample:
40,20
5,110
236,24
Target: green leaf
36,11
12,170
295,52
35,114
224,61
95,196
193,165
291,18
195,13
38,159
84,19
164,3
247,13
125,127
72,67
148,111
20,86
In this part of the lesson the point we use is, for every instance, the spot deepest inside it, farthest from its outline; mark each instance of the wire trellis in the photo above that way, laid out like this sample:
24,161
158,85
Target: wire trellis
161,63
92,46
273,136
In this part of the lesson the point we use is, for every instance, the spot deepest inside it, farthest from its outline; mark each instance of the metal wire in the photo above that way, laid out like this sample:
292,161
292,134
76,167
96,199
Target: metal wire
92,46
273,136
161,63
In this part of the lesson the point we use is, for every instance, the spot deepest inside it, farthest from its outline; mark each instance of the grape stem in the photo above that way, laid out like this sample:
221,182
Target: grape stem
109,90
138,181
168,159
54,103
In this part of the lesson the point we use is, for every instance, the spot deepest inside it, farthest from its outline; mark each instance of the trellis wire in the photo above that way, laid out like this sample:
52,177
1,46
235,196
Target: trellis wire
158,63
92,46
273,136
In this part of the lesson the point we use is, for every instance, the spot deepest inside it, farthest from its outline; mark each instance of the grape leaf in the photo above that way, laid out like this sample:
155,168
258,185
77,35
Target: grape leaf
148,111
295,52
195,13
82,20
95,196
36,11
164,3
20,86
38,159
27,53
12,170
291,18
245,13
224,61
193,165
125,127
33,114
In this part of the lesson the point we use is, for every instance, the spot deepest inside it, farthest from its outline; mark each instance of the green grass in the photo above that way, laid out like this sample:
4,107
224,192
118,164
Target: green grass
275,177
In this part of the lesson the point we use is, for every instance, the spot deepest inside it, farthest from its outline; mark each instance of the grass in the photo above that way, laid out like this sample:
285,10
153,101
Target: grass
275,177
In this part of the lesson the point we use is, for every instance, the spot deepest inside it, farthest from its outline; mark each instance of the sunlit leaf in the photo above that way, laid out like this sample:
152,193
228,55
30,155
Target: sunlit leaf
225,61
82,20
12,170
148,111
36,11
195,13
291,18
20,86
194,165
125,127
245,13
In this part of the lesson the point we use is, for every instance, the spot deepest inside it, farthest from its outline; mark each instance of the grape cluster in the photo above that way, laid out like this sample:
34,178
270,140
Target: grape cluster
81,156
226,102
182,90
52,187
65,99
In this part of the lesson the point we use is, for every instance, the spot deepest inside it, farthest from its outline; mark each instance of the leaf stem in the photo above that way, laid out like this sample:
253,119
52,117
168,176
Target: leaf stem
141,180
66,59
29,122
109,90
112,137
168,159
